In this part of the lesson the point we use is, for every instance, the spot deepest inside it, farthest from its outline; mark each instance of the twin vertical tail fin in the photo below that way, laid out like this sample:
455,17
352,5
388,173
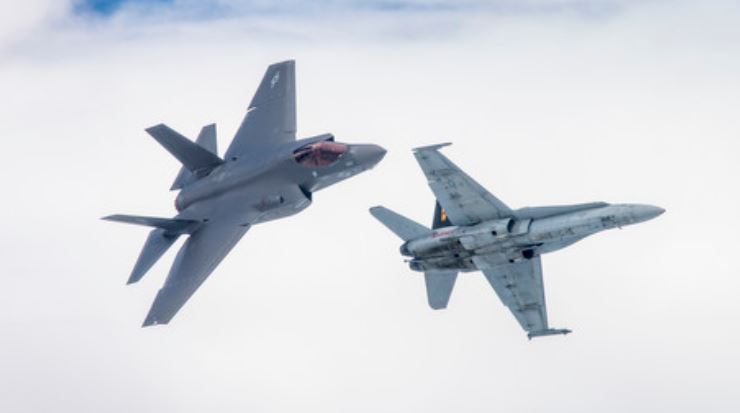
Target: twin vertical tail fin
440,217
439,284
439,287
198,158
157,243
166,231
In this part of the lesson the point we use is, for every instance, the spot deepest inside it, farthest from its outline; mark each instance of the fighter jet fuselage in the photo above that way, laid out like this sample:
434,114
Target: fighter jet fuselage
473,230
279,184
528,234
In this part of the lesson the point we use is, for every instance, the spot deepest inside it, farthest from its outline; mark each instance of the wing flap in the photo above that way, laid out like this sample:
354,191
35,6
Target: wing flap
519,286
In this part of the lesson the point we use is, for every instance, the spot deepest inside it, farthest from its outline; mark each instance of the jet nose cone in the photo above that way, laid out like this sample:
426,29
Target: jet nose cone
368,154
646,212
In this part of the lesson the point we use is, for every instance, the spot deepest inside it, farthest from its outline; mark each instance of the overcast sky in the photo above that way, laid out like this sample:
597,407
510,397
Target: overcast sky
546,101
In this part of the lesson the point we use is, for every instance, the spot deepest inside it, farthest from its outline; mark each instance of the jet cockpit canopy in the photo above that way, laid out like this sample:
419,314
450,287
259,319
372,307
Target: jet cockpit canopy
320,154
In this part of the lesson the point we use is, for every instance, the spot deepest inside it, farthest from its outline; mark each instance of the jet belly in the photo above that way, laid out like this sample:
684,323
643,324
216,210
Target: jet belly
568,228
440,243
505,241
453,248
563,228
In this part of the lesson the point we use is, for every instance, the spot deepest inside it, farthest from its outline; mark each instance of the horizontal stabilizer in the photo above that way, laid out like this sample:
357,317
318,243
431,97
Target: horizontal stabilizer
439,287
156,245
172,226
206,140
192,156
400,225
548,332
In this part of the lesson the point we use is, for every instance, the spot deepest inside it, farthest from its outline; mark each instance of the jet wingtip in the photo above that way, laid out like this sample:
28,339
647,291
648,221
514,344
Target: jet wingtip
152,321
135,276
155,127
432,147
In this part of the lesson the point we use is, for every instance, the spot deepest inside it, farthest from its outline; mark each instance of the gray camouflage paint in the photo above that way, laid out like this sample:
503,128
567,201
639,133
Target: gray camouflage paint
475,231
258,180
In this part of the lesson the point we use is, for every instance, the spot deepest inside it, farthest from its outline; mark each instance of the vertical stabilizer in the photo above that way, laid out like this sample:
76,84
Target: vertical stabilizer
156,245
440,217
206,140
439,287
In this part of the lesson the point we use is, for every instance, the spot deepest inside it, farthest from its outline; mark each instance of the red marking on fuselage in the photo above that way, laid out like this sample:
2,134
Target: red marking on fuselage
437,234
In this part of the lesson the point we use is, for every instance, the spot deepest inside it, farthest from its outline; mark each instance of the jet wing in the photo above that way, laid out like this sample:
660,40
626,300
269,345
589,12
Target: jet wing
463,199
195,261
519,286
271,116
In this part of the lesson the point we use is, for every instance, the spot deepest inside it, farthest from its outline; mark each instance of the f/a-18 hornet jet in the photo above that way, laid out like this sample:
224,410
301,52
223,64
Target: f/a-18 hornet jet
265,174
473,230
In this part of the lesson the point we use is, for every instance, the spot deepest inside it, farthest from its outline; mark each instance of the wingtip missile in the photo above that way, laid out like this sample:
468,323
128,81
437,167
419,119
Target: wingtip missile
548,332
432,147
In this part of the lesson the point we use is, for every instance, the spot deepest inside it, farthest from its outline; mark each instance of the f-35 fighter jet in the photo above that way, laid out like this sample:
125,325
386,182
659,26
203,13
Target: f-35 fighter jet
474,231
265,174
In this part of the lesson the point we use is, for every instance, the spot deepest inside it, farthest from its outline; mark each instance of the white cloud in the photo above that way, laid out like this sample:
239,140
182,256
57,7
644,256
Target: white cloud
19,19
543,109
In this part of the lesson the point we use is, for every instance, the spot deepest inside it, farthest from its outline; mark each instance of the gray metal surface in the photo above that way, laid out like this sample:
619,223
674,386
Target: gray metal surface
271,115
405,228
439,287
487,236
265,175
206,140
192,156
464,200
195,261
519,286
157,243
172,226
